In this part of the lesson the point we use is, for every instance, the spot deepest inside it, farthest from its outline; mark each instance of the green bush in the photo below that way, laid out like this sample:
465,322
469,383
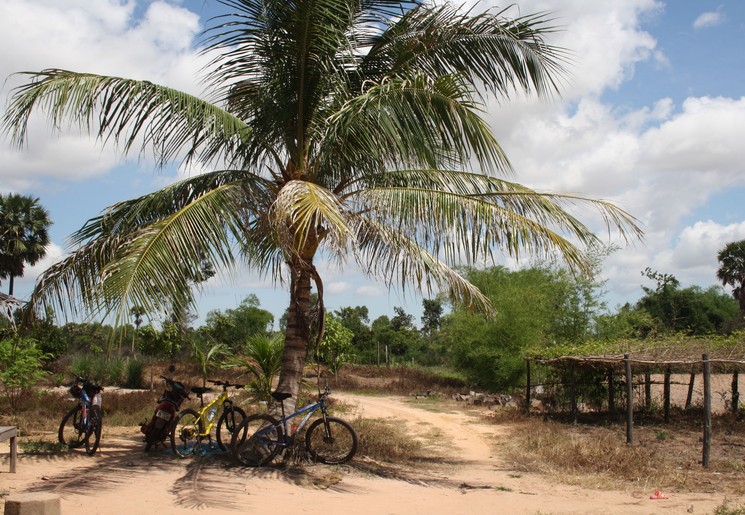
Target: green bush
20,368
82,366
135,371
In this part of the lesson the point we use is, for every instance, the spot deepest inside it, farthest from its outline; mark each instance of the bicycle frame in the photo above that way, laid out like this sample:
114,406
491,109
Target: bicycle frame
86,403
209,424
289,436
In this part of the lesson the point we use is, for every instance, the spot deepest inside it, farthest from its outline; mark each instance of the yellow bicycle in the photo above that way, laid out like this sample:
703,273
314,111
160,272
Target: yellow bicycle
191,427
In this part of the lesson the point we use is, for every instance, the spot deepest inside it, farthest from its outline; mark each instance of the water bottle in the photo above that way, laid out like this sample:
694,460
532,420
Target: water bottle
211,414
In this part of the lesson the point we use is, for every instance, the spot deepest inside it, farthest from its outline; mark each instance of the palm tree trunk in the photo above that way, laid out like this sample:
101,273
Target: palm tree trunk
297,333
10,285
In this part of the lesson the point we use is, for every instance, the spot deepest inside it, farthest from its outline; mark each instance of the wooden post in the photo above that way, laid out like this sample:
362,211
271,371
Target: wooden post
611,392
707,411
689,399
572,392
647,390
527,386
735,392
667,395
629,402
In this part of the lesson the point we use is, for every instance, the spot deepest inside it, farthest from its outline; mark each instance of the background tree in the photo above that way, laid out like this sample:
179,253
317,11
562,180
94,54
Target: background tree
347,128
357,320
431,315
24,236
335,349
692,310
234,326
534,307
731,270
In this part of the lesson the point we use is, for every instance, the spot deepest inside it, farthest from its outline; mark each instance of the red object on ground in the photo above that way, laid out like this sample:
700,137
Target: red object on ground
658,495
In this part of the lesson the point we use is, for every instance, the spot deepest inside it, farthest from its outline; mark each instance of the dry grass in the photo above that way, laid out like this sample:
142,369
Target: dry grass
662,456
396,380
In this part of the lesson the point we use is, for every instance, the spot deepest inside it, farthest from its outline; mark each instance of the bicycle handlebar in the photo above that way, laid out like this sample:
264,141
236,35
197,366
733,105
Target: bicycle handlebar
225,384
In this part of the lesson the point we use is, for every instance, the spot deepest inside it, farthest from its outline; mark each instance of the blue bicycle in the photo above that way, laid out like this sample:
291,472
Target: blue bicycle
82,424
259,438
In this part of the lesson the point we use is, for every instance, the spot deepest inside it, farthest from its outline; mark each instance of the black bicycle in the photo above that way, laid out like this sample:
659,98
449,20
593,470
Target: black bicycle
81,426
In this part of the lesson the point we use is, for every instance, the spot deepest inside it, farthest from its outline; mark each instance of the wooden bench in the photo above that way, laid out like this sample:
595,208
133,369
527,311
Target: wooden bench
10,432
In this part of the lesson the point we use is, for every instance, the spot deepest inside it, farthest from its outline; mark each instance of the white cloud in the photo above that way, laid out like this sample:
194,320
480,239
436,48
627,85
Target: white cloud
370,290
96,36
709,19
337,287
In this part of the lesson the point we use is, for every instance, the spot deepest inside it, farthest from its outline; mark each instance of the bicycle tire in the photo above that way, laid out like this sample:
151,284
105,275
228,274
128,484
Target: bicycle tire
185,439
230,419
248,448
96,425
338,445
71,432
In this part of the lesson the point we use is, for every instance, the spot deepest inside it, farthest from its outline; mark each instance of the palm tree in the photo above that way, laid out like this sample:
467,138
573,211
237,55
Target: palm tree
731,270
24,226
337,129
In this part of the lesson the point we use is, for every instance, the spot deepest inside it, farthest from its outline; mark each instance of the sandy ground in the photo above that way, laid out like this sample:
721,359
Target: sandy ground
121,478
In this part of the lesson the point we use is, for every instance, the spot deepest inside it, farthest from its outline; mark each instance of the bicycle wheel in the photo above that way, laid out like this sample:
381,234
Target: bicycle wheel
332,443
185,437
252,441
229,420
71,431
93,438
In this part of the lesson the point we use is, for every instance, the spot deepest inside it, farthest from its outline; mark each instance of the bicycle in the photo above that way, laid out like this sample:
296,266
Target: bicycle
328,439
85,420
192,426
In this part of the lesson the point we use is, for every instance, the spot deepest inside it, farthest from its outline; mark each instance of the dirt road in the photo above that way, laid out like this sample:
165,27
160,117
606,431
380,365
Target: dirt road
473,479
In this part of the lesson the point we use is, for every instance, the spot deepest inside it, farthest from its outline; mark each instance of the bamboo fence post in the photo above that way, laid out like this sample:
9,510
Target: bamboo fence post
735,392
572,392
707,411
527,386
647,390
611,392
689,398
629,402
667,395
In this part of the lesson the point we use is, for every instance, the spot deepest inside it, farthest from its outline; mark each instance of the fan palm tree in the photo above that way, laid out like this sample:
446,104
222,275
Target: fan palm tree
24,236
336,129
731,270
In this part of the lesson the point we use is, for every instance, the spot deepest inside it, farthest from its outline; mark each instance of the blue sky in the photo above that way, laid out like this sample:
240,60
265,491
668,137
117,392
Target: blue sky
652,119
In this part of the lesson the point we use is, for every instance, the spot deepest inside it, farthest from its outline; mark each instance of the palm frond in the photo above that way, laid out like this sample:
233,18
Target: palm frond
149,266
133,113
304,214
410,122
388,253
467,216
489,49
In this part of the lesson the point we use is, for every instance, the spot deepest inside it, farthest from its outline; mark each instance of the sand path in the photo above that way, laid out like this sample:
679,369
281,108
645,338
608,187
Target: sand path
474,479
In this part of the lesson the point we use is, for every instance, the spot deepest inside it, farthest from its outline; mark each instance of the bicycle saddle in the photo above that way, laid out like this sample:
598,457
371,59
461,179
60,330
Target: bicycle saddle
199,390
280,396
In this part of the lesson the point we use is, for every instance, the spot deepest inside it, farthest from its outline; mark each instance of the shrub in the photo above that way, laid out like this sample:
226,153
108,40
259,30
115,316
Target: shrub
135,370
20,368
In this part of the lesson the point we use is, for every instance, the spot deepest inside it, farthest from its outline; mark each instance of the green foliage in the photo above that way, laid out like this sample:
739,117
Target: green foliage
731,270
538,307
692,310
264,359
24,235
357,320
207,358
165,343
431,316
234,326
335,349
135,373
82,365
20,368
